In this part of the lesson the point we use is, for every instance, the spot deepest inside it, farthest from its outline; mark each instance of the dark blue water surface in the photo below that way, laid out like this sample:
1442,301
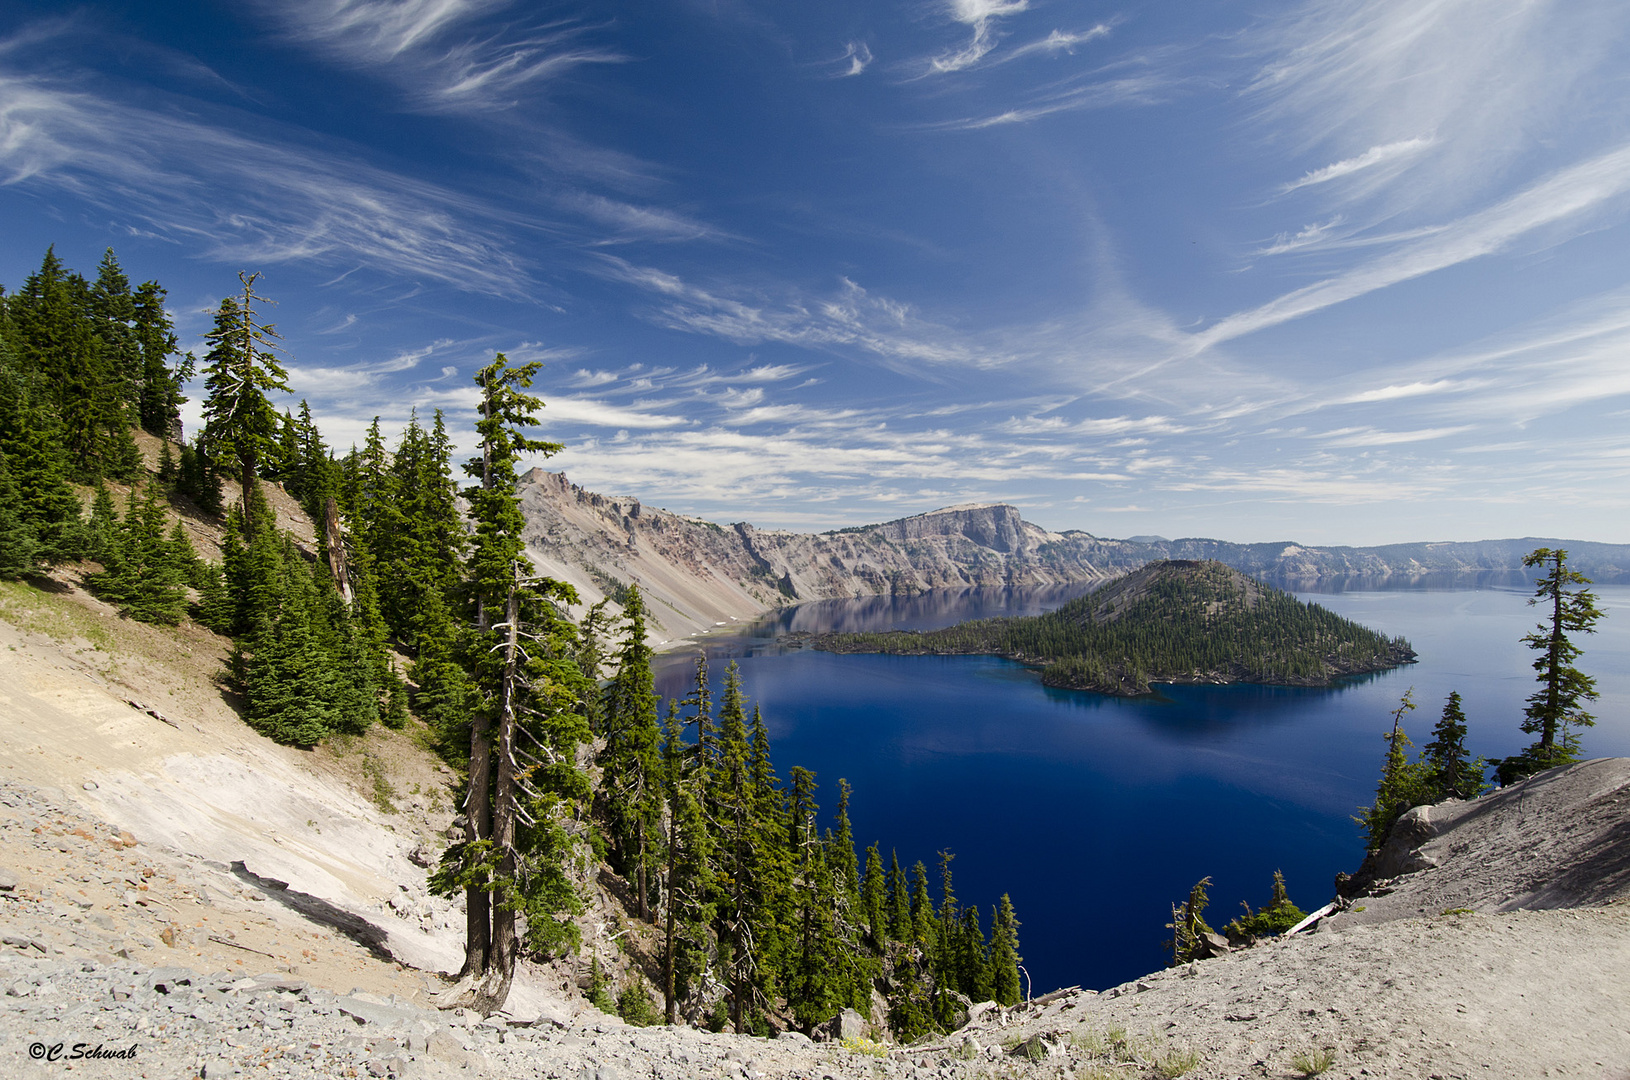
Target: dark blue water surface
1095,813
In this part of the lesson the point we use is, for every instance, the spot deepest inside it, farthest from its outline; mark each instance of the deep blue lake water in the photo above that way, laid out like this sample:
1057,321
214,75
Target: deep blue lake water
1096,813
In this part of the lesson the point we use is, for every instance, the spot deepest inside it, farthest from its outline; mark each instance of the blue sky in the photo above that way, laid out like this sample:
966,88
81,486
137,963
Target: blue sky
1340,271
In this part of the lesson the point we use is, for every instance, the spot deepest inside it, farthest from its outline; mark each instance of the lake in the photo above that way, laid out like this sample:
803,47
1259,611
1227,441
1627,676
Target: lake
1095,813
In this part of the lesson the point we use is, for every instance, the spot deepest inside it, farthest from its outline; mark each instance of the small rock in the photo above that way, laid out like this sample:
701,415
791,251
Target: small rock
89,785
8,880
795,1037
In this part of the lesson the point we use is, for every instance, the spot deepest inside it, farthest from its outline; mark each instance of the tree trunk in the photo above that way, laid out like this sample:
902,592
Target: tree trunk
478,826
501,957
670,1002
334,540
645,904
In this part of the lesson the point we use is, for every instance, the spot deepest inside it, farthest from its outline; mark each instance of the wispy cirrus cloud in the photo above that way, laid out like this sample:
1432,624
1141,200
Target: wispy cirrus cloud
980,16
438,51
1369,159
1059,41
1146,89
1366,79
849,319
271,198
856,58
1566,197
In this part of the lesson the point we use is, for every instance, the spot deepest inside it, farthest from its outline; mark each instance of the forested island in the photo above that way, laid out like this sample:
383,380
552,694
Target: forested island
1177,621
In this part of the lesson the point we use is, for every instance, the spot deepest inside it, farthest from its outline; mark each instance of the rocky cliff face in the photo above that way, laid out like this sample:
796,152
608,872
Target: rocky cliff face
698,575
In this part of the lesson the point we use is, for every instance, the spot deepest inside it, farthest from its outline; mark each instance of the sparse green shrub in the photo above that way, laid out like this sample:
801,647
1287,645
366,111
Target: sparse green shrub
1313,1062
635,1007
1175,1062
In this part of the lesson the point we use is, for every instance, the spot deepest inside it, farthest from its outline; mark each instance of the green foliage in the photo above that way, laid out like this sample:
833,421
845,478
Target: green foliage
1556,709
634,1005
1403,783
1451,771
1004,954
17,547
1313,1062
147,567
1173,621
240,425
1188,925
1275,917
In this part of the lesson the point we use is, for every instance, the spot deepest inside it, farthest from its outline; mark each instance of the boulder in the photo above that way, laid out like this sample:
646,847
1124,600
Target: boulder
848,1024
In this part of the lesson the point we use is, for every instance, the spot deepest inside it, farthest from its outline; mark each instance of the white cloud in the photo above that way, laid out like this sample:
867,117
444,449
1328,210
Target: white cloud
1567,195
856,58
1362,80
1375,155
263,199
1373,437
1058,41
430,48
979,15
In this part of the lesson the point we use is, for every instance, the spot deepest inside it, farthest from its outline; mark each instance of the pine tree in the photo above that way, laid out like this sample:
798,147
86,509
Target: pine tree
239,422
1558,704
1402,785
900,927
1004,954
146,575
159,398
687,912
524,800
1451,773
1188,925
875,899
631,776
17,547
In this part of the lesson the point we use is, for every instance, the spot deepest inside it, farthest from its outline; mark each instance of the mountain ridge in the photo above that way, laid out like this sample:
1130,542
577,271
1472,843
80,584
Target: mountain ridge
699,575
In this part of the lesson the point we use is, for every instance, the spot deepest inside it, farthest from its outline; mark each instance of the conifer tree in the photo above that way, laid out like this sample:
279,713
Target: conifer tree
17,547
146,575
159,399
1004,954
1401,786
687,912
1451,773
900,928
631,777
239,422
524,800
875,899
1558,705
102,526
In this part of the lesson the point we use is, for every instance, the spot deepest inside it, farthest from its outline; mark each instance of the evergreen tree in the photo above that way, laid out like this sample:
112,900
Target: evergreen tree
102,527
1188,925
146,575
1276,917
1004,954
687,912
629,760
525,800
1558,704
875,899
17,547
900,926
160,398
1402,784
1451,773
242,368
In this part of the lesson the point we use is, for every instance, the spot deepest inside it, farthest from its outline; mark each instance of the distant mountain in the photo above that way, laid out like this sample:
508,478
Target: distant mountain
699,575
1174,621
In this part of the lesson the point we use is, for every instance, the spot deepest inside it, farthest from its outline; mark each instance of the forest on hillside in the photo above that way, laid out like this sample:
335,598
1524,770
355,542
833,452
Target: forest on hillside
416,607
1174,621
